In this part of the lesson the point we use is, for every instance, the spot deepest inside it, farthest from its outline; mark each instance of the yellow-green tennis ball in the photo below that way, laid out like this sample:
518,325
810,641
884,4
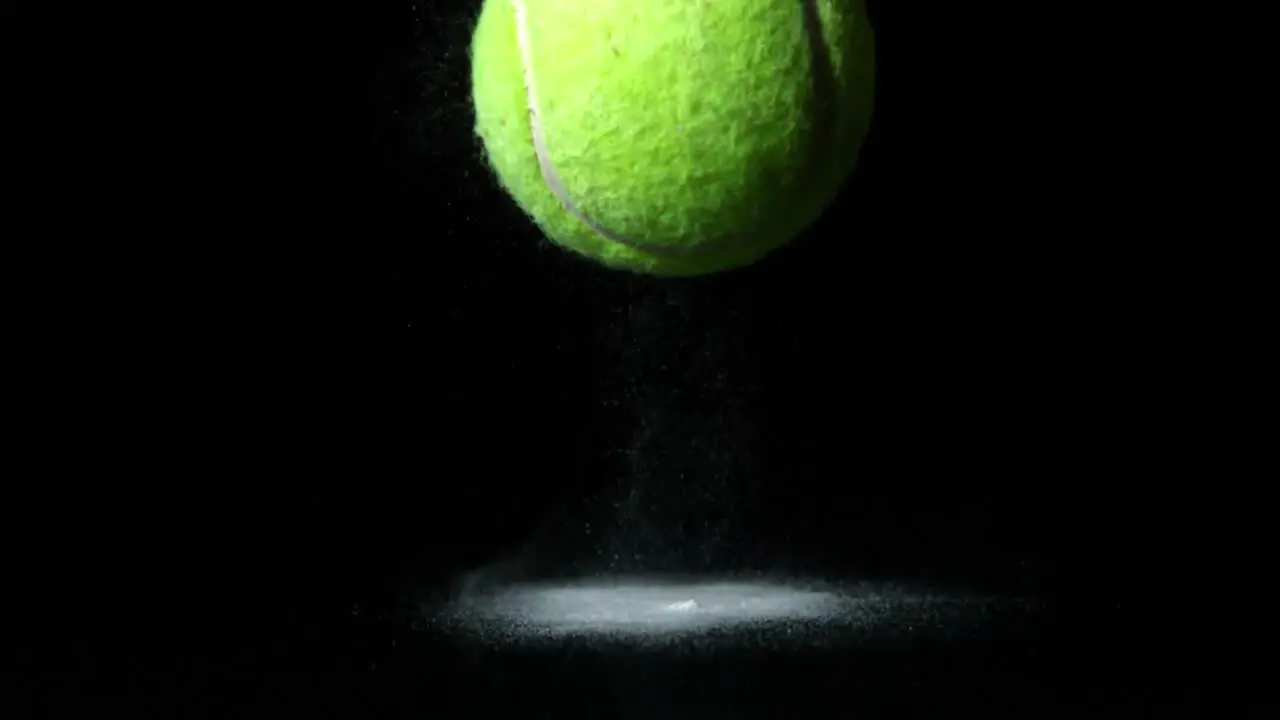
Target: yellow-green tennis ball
673,137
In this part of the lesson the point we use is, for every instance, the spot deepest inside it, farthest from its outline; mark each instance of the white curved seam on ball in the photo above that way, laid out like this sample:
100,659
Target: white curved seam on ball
543,153
549,173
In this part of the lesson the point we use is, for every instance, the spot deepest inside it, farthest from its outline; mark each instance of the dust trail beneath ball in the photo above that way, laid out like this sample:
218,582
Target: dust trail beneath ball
649,610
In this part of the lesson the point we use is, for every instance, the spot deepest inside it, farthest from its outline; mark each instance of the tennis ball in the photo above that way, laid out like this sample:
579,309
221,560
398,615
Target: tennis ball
672,137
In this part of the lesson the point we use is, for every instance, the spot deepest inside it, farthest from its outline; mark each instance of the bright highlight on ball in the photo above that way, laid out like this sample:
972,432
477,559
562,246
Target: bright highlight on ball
673,137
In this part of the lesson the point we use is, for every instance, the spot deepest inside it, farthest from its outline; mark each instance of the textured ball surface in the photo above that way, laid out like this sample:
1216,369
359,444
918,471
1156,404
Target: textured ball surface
672,137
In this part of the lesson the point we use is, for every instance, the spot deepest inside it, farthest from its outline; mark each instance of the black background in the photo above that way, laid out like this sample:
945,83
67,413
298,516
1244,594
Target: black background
283,355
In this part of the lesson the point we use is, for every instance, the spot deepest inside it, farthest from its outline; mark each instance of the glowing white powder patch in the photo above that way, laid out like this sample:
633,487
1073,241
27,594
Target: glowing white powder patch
643,610
651,608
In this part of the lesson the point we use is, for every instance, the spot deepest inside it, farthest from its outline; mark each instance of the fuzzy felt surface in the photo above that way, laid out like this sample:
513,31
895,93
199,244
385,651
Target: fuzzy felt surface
672,137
